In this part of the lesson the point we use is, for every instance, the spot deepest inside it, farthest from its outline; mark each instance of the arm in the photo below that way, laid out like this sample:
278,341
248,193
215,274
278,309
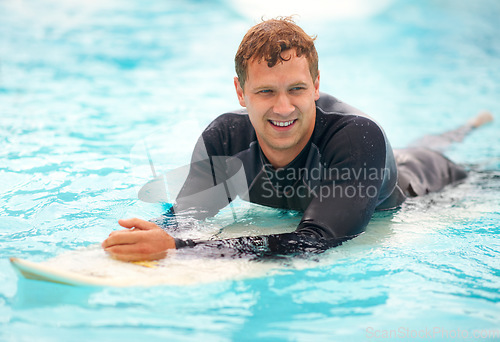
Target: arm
202,195
213,180
344,201
342,207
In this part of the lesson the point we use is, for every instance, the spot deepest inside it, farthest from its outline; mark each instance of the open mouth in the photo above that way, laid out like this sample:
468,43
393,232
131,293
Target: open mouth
282,123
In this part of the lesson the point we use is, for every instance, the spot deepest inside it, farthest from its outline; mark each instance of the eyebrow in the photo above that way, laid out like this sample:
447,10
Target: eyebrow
298,83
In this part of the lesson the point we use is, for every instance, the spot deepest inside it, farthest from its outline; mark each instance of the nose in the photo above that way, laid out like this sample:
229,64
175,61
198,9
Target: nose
283,105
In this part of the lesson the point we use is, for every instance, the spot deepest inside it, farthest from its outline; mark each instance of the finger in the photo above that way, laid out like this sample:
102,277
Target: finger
136,252
123,231
122,237
137,223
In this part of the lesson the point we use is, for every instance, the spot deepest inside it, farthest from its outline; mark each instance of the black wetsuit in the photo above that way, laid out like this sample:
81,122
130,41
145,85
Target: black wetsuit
346,172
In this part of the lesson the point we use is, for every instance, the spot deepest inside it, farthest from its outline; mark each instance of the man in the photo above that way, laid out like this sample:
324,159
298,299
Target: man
300,149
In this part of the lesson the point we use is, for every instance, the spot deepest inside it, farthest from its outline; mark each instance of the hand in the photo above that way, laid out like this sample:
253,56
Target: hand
145,241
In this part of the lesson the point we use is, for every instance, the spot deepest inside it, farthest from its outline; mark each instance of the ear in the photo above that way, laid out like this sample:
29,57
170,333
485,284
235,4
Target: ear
239,92
316,88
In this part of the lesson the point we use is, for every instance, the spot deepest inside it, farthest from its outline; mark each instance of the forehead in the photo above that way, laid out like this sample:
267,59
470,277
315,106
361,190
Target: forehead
294,69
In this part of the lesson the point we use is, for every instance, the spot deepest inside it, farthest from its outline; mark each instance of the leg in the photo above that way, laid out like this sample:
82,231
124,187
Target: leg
421,170
441,141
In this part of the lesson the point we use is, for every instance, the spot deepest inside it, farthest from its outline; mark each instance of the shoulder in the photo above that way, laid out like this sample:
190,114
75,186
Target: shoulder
346,136
229,133
328,104
230,118
336,120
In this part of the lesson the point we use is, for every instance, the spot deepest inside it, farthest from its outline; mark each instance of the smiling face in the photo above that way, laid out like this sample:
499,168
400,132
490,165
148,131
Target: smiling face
281,105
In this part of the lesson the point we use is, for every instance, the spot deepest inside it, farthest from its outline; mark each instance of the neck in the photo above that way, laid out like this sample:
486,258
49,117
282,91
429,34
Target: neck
281,158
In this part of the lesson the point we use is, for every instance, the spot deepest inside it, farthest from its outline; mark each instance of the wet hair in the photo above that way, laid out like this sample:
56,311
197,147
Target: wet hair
268,40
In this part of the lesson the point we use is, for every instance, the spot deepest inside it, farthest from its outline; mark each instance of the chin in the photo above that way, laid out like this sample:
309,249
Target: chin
283,147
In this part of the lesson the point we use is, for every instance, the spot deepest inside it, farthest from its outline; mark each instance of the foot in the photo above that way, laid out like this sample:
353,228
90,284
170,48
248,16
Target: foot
481,119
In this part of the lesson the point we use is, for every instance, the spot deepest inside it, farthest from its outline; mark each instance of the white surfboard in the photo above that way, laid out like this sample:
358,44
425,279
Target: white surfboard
40,271
92,266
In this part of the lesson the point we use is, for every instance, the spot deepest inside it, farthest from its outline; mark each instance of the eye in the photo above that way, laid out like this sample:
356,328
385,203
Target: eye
265,91
297,88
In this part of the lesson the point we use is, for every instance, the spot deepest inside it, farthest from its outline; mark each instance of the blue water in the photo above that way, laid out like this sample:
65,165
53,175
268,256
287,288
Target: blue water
82,83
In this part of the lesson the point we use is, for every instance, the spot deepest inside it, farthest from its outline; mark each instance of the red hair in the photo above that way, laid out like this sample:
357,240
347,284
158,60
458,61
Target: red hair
268,40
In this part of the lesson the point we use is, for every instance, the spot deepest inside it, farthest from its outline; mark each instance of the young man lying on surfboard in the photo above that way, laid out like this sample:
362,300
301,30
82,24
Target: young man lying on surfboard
300,149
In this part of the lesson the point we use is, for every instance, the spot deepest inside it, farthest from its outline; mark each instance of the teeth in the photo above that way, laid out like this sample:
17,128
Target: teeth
282,123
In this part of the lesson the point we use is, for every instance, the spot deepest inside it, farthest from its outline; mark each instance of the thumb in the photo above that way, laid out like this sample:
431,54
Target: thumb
137,223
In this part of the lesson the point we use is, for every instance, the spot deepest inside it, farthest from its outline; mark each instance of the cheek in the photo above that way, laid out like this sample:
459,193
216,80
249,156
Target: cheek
307,105
254,108
256,119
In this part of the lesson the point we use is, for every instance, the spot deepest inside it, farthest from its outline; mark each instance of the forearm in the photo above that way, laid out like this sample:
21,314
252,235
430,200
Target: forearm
261,246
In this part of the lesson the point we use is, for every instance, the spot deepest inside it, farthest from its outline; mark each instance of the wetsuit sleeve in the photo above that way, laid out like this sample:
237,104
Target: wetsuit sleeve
344,201
205,190
216,176
347,197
